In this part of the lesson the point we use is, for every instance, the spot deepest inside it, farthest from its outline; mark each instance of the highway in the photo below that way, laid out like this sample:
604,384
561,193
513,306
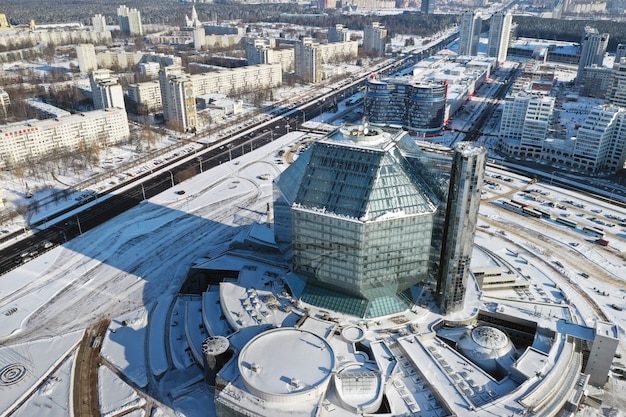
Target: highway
48,233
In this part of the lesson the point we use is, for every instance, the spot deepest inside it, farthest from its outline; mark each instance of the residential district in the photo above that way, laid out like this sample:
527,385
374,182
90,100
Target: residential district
337,224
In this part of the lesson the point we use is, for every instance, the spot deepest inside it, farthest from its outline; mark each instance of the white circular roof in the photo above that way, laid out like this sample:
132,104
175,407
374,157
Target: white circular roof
286,363
490,337
214,345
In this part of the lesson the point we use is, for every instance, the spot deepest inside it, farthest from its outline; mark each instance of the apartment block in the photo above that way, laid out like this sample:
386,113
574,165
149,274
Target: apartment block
469,33
499,34
374,39
146,94
36,139
86,54
129,21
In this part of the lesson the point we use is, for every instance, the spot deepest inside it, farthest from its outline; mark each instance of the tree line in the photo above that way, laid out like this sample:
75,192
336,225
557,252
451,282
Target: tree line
569,30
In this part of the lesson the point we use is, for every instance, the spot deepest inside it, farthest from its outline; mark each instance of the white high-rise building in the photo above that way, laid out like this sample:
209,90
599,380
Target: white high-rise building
99,23
179,100
525,122
592,49
308,62
129,21
601,140
499,34
86,54
374,38
469,33
106,91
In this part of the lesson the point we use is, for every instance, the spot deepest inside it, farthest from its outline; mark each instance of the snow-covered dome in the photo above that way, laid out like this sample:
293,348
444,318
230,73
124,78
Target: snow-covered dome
488,347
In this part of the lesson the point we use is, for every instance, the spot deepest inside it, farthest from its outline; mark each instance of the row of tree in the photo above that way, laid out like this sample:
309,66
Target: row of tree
569,30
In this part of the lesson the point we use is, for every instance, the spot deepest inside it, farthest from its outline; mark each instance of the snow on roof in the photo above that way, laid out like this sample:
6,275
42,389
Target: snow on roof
286,364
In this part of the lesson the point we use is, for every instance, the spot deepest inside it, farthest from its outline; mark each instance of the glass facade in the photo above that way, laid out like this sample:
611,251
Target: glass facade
417,106
362,222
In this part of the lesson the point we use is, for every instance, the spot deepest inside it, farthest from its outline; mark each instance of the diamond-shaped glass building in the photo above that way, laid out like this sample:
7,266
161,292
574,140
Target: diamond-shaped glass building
362,217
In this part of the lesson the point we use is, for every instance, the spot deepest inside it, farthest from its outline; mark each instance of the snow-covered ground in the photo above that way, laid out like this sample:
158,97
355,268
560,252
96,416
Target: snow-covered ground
130,269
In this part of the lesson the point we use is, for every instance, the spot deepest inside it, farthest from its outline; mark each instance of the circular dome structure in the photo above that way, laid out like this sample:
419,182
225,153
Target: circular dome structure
286,365
353,334
488,347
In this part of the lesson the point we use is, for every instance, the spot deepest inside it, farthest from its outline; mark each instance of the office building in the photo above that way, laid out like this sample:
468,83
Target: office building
592,49
418,106
459,227
620,52
499,33
338,33
129,21
616,92
525,122
374,39
358,215
600,143
99,23
86,54
469,33
106,91
308,61
596,81
36,139
178,98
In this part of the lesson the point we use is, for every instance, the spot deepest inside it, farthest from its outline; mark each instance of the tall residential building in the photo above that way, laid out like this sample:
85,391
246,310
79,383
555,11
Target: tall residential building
499,33
106,91
620,52
338,33
5,100
374,38
469,33
428,6
259,51
616,93
418,106
592,49
308,61
129,21
356,215
86,54
99,23
178,98
466,181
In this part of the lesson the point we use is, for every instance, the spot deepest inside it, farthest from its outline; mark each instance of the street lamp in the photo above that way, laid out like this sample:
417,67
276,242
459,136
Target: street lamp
199,159
229,146
171,177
